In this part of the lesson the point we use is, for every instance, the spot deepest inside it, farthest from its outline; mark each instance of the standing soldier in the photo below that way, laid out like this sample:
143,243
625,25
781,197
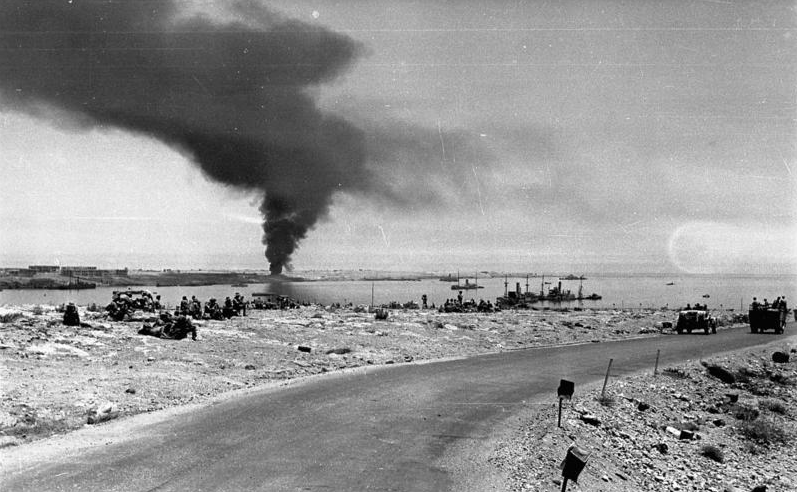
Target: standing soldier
423,299
184,306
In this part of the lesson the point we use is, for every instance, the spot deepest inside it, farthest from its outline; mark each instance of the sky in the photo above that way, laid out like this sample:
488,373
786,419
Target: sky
580,136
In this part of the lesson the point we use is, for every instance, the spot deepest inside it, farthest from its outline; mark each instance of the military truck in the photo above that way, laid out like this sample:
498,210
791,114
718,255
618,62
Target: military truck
695,320
762,319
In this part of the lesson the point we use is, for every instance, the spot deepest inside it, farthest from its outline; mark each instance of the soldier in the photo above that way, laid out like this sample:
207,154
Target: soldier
156,304
71,316
423,300
184,306
228,310
238,304
179,329
755,305
195,308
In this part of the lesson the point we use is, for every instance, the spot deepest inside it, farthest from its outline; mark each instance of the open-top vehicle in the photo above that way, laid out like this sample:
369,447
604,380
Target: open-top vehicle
695,319
762,319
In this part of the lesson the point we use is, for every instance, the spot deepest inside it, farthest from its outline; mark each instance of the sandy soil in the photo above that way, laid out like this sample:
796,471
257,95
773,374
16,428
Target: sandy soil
52,377
742,432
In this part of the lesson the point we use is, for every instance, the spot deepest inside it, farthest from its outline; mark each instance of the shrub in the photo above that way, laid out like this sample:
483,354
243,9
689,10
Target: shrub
763,431
676,373
744,412
712,453
773,405
606,400
10,317
745,375
37,310
721,373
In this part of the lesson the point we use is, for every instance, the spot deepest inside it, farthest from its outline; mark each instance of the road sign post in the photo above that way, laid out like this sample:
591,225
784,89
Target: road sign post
565,390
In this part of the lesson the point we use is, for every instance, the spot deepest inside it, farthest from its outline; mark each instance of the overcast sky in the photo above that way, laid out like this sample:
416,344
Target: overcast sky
503,135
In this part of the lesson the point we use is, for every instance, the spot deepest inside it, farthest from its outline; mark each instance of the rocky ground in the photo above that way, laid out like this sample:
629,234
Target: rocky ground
721,425
55,378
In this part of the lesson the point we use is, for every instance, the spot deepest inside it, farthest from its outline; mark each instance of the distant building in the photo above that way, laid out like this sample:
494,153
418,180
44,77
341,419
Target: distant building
80,271
44,268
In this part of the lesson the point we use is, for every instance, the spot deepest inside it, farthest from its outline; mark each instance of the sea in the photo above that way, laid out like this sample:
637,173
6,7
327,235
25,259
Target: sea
722,292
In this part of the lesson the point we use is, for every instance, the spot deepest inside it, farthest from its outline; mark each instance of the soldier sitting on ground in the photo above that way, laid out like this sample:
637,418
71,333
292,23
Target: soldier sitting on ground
71,316
213,310
195,308
117,309
228,310
184,305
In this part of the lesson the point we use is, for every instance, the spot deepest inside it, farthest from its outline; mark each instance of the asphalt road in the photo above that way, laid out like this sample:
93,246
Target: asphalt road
372,429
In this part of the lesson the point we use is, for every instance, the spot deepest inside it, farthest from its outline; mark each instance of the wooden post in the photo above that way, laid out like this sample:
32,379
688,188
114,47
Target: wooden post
559,424
606,379
656,367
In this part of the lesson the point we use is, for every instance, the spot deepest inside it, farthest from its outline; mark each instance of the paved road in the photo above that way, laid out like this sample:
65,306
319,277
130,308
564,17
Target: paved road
379,429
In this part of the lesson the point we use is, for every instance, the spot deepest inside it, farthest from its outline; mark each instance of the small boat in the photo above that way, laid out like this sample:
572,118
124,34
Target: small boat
582,297
449,278
467,285
572,277
706,296
240,284
670,283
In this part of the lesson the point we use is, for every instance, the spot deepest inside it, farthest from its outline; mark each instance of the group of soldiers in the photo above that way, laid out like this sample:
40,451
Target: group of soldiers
124,303
697,307
235,306
459,306
779,304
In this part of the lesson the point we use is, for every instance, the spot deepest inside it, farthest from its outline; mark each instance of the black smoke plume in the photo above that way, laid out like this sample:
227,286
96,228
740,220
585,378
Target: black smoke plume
234,95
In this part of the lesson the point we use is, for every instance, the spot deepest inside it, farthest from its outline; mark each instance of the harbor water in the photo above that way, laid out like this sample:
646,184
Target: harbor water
626,292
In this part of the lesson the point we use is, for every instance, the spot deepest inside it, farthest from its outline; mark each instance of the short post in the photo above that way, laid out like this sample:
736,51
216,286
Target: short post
656,367
606,379
565,390
559,422
574,462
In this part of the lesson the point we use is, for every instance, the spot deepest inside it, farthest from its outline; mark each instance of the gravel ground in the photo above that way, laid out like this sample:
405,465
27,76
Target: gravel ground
52,377
740,432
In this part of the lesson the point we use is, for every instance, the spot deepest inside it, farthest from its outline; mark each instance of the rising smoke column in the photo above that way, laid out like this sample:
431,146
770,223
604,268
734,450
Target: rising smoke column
232,95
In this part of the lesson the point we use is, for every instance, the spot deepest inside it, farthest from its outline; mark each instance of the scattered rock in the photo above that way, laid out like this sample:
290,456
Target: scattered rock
131,391
304,348
249,367
339,351
780,357
661,447
591,419
101,413
642,406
